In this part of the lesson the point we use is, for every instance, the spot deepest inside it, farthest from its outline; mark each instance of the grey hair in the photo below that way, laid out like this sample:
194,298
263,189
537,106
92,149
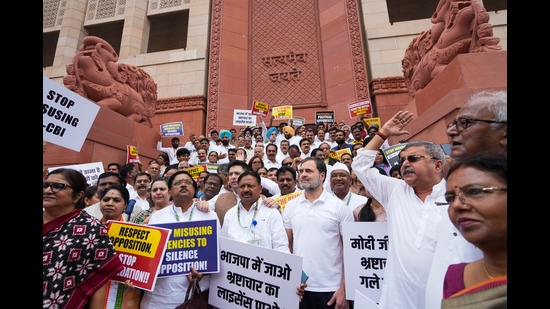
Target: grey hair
497,103
434,150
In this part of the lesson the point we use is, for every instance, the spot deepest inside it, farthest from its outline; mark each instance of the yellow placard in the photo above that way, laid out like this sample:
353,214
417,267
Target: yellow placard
286,198
282,112
369,121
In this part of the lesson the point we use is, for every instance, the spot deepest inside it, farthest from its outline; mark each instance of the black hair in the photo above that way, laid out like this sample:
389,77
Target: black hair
272,145
141,174
494,164
195,184
314,151
115,164
170,167
182,151
321,166
122,189
126,168
76,180
88,193
164,155
395,168
366,214
295,148
243,164
214,175
286,168
251,173
121,180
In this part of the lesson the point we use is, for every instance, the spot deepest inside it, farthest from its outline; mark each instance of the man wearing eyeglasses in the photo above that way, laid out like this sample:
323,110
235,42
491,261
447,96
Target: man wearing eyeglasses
479,127
213,183
411,211
168,290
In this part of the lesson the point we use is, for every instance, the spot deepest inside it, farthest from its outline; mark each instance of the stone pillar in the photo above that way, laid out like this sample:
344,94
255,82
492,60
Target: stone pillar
199,22
135,34
72,32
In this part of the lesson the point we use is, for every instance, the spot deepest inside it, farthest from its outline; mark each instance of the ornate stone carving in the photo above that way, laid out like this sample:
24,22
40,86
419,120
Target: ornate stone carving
124,88
460,26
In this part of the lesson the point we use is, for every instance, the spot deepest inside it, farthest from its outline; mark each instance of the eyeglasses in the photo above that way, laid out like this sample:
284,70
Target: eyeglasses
56,186
186,181
287,163
462,124
468,195
414,158
212,184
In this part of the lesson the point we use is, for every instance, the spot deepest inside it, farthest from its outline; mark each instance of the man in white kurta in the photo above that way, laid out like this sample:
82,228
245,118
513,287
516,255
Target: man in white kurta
169,292
250,221
411,211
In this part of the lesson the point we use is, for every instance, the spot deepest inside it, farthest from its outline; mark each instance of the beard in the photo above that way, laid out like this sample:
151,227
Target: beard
311,184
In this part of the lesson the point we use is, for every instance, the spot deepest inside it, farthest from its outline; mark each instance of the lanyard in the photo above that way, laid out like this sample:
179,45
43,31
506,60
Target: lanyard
254,222
190,215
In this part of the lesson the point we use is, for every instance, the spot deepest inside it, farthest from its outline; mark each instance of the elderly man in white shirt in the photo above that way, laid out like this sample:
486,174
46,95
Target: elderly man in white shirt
411,209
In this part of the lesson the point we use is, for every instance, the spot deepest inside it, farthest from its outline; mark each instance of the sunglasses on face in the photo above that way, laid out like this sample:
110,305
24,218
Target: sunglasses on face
414,158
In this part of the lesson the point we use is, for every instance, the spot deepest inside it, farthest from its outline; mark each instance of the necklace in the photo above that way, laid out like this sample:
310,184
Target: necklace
487,272
253,223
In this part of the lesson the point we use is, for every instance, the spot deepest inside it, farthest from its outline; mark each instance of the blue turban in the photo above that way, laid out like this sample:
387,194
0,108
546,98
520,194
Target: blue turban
271,130
225,132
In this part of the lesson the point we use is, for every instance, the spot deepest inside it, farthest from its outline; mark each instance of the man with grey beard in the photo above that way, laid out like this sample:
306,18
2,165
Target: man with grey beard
313,223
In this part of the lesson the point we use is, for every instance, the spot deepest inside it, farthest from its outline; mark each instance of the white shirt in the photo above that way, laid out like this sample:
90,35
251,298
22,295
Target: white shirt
169,292
131,191
295,140
270,185
269,164
281,156
268,230
170,151
411,228
221,150
142,202
317,229
353,200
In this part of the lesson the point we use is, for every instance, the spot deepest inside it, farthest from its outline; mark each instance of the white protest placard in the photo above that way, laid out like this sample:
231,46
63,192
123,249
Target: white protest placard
365,254
243,117
363,302
90,170
255,277
66,116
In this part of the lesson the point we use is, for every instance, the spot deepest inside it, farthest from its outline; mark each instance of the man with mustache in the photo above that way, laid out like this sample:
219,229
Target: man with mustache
169,291
142,184
251,221
411,209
